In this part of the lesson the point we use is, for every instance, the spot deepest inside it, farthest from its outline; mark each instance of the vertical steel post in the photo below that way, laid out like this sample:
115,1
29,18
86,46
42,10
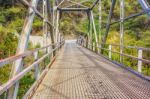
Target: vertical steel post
89,30
140,56
24,39
57,25
45,28
50,9
87,43
100,23
121,28
110,51
54,19
37,71
94,28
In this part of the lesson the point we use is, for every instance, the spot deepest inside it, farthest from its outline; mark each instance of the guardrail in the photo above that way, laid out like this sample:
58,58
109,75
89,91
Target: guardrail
139,57
35,65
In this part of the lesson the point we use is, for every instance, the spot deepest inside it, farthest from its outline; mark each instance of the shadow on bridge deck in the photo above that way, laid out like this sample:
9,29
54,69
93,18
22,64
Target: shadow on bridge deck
80,74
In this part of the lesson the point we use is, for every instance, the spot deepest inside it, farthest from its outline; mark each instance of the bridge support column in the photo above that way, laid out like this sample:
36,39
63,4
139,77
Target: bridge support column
45,25
89,31
51,14
57,25
24,39
121,29
100,24
95,33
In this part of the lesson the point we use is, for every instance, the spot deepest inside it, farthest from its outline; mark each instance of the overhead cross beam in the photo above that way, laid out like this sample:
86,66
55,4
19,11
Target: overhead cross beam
79,9
73,9
79,3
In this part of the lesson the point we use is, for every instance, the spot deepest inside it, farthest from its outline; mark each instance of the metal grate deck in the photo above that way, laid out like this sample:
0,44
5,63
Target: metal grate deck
80,74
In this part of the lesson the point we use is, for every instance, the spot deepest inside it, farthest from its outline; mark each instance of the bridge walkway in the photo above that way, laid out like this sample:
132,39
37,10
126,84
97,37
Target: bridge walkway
79,73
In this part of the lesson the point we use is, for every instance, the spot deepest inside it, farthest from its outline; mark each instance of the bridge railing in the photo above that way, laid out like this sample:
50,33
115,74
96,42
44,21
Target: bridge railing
35,65
109,49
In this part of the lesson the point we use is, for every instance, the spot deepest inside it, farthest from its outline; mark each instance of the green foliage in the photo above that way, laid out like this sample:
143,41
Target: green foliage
8,43
25,84
38,45
3,74
37,25
2,19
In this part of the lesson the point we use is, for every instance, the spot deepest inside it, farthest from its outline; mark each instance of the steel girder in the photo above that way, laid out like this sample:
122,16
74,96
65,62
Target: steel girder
144,4
23,43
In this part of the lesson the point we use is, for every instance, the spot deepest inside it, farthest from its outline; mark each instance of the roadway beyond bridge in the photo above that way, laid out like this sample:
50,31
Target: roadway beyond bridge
79,73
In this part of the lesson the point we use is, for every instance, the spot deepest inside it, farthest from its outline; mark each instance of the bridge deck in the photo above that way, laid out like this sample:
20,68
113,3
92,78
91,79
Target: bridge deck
81,74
